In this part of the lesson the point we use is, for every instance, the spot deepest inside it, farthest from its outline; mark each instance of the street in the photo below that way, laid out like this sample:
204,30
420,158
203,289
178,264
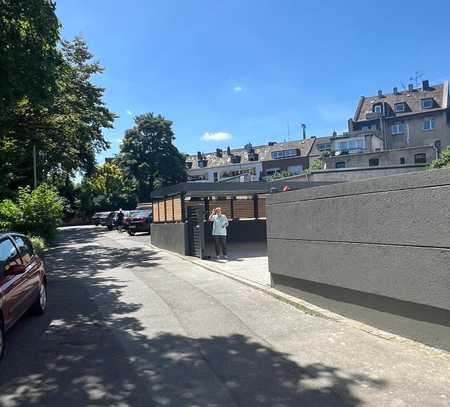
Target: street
131,326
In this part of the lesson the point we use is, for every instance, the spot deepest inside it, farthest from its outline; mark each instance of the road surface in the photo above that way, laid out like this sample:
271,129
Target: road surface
131,326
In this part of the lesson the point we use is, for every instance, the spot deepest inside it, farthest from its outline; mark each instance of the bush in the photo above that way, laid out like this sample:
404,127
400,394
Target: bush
38,243
37,213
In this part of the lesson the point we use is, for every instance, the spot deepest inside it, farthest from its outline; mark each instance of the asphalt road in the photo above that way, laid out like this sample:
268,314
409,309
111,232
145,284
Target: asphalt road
130,326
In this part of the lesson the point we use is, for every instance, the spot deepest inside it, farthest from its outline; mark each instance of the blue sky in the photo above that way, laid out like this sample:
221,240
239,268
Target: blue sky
247,70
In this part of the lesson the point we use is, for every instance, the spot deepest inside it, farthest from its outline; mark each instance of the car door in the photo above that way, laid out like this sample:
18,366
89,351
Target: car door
32,264
13,287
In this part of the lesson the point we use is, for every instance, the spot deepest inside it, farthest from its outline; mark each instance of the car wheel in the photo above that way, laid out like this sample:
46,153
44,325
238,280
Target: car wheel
2,339
96,224
131,233
40,305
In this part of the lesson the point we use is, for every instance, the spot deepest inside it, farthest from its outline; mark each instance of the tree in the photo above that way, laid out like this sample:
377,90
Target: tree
107,189
67,134
149,157
29,33
444,161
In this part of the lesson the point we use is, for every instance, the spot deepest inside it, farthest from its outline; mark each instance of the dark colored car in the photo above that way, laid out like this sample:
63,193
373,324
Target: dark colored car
23,283
108,220
97,217
139,221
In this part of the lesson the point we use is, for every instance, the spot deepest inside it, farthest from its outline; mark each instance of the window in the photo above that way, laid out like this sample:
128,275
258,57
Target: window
427,103
402,160
340,164
324,147
295,169
400,107
377,109
293,152
8,255
429,124
420,158
272,171
351,145
374,162
366,128
202,163
25,249
397,128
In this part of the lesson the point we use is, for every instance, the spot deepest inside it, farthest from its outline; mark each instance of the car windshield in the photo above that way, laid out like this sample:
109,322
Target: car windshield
141,214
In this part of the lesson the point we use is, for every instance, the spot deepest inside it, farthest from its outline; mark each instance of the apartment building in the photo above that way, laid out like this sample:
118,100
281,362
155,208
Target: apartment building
251,163
405,127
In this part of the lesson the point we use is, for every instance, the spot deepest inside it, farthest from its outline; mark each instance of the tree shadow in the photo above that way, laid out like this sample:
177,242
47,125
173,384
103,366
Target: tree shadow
81,355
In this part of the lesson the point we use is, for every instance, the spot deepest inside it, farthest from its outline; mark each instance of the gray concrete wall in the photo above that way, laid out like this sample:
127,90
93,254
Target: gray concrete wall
357,174
170,236
252,230
376,250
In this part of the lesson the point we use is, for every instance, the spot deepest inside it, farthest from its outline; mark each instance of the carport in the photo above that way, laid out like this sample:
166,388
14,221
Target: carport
180,216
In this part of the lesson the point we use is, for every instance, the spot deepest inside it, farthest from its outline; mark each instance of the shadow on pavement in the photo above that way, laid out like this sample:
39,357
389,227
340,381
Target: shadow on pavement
72,356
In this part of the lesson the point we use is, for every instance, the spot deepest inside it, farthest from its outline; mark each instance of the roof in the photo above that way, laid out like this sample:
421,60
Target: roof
318,141
264,153
205,189
439,93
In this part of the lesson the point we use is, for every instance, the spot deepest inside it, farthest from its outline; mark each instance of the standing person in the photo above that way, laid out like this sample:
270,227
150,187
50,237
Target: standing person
119,221
220,224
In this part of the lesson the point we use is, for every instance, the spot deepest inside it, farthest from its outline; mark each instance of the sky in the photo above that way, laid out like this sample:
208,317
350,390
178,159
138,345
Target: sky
237,71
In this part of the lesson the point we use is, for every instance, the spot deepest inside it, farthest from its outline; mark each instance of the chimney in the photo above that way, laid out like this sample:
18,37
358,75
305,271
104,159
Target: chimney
228,150
199,155
304,130
218,152
380,93
425,85
410,87
395,91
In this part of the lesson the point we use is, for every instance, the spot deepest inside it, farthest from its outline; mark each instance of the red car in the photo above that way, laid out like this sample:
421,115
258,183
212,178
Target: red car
22,282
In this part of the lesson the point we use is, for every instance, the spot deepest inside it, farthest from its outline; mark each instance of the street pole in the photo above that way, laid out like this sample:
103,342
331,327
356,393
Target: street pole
34,167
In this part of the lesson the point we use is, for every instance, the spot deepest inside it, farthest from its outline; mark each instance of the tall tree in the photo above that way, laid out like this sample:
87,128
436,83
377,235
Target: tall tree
29,34
444,161
67,133
149,157
107,189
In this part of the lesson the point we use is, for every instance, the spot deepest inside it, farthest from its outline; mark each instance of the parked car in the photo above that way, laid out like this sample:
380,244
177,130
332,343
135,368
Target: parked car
23,283
98,216
139,221
108,220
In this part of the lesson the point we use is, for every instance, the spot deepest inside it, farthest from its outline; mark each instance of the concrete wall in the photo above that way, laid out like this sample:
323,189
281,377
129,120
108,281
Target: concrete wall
386,158
251,230
170,236
377,251
357,174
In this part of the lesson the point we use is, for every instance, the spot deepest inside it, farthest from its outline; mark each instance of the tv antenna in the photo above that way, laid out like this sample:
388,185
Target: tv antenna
416,77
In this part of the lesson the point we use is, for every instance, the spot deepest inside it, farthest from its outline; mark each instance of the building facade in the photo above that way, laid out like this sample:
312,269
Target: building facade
250,163
400,128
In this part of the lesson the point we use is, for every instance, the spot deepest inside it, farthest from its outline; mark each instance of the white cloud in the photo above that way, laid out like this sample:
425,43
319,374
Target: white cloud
238,88
218,136
129,112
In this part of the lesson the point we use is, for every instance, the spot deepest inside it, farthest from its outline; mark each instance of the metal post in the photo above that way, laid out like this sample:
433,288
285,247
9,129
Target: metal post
34,167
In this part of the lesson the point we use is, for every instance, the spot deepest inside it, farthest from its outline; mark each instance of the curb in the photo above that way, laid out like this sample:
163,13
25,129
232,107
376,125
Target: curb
308,308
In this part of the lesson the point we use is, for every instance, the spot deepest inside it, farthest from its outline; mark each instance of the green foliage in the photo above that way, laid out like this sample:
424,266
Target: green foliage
444,161
148,156
38,243
37,212
29,33
66,127
107,189
280,175
316,165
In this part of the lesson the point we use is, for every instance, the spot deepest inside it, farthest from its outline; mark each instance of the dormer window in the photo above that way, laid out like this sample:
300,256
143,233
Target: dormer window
377,109
400,107
202,163
427,103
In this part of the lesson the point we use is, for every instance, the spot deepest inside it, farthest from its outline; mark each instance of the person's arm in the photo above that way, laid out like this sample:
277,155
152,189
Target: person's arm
211,217
225,224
